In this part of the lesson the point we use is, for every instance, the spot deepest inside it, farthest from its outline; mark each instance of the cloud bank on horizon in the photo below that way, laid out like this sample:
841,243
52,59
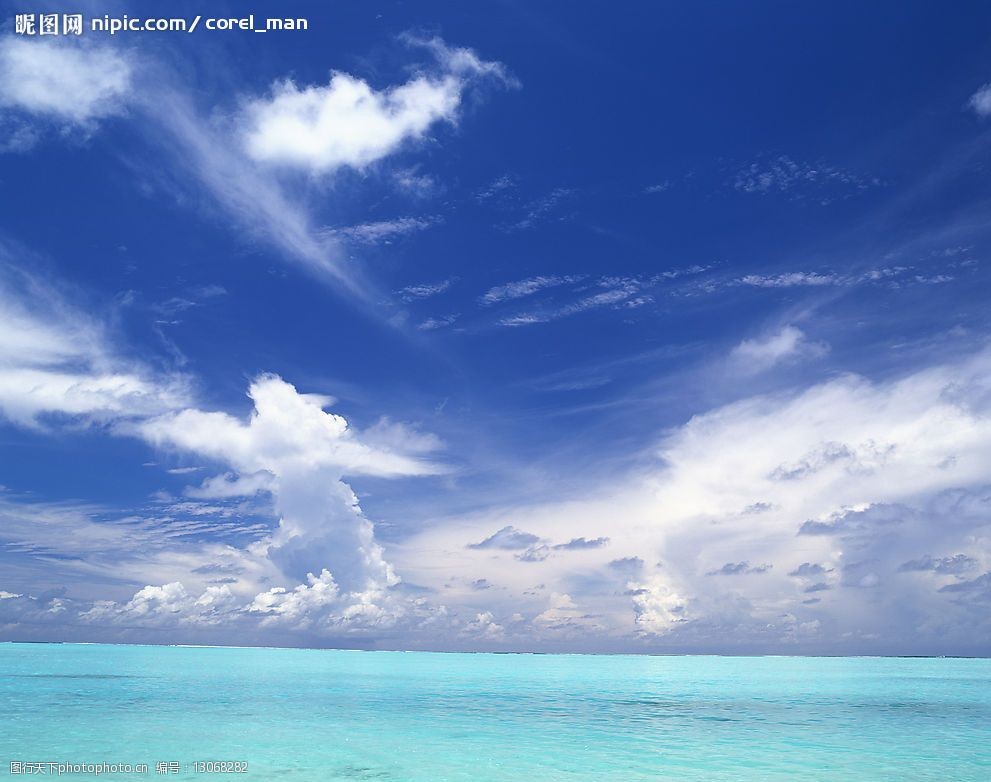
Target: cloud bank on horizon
583,419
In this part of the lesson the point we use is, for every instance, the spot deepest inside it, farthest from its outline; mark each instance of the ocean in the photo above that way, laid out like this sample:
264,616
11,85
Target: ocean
293,714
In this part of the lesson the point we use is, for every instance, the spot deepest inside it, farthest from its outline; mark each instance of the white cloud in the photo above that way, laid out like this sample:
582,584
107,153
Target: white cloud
415,184
299,604
287,429
168,604
484,627
980,101
349,123
65,83
787,344
303,452
230,485
859,485
564,617
79,84
56,360
259,206
289,448
872,528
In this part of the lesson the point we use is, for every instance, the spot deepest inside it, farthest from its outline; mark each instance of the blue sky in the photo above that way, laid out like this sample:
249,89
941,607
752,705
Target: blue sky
502,327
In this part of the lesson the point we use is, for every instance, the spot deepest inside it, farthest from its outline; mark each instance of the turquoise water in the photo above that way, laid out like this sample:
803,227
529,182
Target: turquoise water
335,715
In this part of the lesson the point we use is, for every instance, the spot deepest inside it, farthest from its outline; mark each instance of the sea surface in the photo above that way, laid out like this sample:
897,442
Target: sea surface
416,716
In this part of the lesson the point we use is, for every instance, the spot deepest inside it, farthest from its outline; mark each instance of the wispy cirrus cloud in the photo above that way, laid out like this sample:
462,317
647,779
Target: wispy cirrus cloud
384,231
432,324
522,288
801,179
425,290
59,360
739,569
497,187
59,366
235,155
542,209
790,280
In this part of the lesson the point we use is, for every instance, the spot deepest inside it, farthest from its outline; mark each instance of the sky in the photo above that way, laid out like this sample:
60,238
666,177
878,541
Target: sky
499,326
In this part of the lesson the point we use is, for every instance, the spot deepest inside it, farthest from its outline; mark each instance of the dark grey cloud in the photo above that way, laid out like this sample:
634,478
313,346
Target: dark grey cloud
536,553
809,570
977,588
828,454
822,586
627,564
576,544
865,522
738,569
862,575
954,565
508,538
818,528
219,568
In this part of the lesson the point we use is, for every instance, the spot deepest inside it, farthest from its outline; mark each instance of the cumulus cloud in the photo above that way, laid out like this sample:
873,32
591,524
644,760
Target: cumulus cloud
350,123
866,526
484,627
167,604
657,607
306,451
63,82
56,361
